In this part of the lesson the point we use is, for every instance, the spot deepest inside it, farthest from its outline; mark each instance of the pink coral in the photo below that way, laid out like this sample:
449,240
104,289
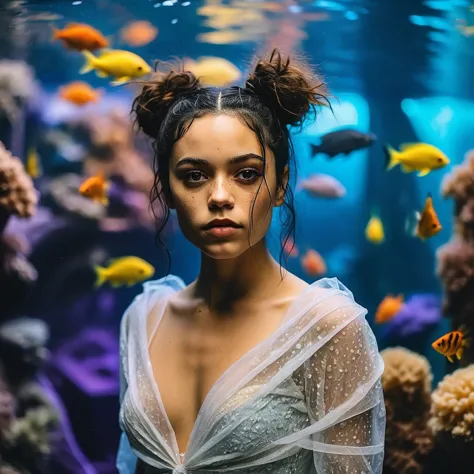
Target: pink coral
456,258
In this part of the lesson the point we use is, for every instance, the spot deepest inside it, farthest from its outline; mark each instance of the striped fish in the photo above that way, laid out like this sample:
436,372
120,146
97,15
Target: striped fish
452,343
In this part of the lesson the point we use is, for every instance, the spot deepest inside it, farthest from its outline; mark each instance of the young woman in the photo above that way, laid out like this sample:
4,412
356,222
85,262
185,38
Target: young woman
248,369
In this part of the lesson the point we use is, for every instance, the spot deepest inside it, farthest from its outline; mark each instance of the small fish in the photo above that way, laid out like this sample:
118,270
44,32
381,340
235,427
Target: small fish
96,189
138,33
33,164
313,264
388,308
428,222
322,185
124,271
290,248
420,157
452,343
79,93
343,141
121,65
213,71
374,232
80,37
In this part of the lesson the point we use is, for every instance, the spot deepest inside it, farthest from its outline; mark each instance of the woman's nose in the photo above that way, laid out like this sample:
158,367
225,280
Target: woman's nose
221,194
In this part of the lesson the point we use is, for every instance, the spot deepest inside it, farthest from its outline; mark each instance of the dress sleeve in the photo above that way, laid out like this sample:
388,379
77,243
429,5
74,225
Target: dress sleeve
126,460
344,395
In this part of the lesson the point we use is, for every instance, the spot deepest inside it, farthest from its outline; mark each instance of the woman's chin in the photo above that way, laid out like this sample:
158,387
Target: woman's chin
223,250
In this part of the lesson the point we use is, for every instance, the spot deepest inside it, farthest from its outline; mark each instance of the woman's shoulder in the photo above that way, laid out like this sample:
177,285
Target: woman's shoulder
152,292
321,289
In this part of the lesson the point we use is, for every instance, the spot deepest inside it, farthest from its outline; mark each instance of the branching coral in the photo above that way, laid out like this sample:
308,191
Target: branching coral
456,258
406,383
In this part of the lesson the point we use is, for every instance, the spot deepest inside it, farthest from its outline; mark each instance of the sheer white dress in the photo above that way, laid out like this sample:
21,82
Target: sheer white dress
306,400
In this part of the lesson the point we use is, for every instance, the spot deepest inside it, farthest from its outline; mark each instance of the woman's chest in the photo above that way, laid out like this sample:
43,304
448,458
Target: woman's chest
189,357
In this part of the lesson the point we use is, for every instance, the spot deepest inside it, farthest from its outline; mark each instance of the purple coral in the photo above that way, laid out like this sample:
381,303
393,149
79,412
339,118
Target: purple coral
420,313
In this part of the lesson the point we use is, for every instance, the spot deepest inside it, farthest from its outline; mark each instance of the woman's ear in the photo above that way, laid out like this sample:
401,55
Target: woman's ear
281,191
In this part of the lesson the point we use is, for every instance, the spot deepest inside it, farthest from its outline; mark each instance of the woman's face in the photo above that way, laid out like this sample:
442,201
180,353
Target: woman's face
216,173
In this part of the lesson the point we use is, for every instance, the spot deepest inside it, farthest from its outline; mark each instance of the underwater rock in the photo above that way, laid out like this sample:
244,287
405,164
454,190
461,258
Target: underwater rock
452,418
25,445
17,276
406,384
63,193
87,366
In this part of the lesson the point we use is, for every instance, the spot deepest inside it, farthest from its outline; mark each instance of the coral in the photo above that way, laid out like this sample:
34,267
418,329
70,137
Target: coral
459,184
419,314
456,258
63,191
406,383
17,193
112,149
17,86
25,441
453,404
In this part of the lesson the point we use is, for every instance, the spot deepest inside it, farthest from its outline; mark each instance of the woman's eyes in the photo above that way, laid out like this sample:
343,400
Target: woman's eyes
193,176
248,174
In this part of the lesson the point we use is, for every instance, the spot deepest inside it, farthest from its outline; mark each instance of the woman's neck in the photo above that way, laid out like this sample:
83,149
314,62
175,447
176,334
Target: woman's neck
254,274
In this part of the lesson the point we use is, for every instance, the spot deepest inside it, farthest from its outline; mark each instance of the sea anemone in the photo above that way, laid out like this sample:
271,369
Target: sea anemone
406,383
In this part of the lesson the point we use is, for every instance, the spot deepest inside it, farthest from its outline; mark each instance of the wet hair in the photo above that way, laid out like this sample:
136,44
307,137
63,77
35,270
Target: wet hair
278,93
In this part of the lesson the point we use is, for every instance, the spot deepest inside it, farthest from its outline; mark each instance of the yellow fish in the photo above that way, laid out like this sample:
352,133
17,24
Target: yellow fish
124,271
121,65
419,157
374,231
33,165
213,71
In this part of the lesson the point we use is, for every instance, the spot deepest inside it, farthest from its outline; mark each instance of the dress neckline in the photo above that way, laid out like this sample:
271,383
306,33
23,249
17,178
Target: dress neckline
178,284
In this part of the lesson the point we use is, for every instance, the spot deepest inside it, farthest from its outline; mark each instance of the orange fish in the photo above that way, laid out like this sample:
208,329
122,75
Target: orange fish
79,93
138,33
313,264
95,188
452,343
80,36
290,248
388,308
428,222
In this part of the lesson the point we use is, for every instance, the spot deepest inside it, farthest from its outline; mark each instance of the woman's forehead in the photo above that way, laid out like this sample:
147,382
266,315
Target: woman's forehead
216,137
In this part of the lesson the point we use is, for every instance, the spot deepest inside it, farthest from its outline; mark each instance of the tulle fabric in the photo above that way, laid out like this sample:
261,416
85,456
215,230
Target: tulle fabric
323,342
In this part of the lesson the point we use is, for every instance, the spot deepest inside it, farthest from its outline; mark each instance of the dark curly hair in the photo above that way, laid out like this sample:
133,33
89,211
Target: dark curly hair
278,93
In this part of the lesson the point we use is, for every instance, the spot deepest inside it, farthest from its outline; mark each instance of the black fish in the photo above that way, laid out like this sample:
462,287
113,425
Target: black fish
343,141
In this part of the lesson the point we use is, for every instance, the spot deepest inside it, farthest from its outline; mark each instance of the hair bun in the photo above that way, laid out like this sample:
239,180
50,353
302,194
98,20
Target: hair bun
290,90
157,97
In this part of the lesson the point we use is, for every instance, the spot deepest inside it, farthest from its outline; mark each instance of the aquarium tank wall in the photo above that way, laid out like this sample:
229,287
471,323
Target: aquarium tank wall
383,186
